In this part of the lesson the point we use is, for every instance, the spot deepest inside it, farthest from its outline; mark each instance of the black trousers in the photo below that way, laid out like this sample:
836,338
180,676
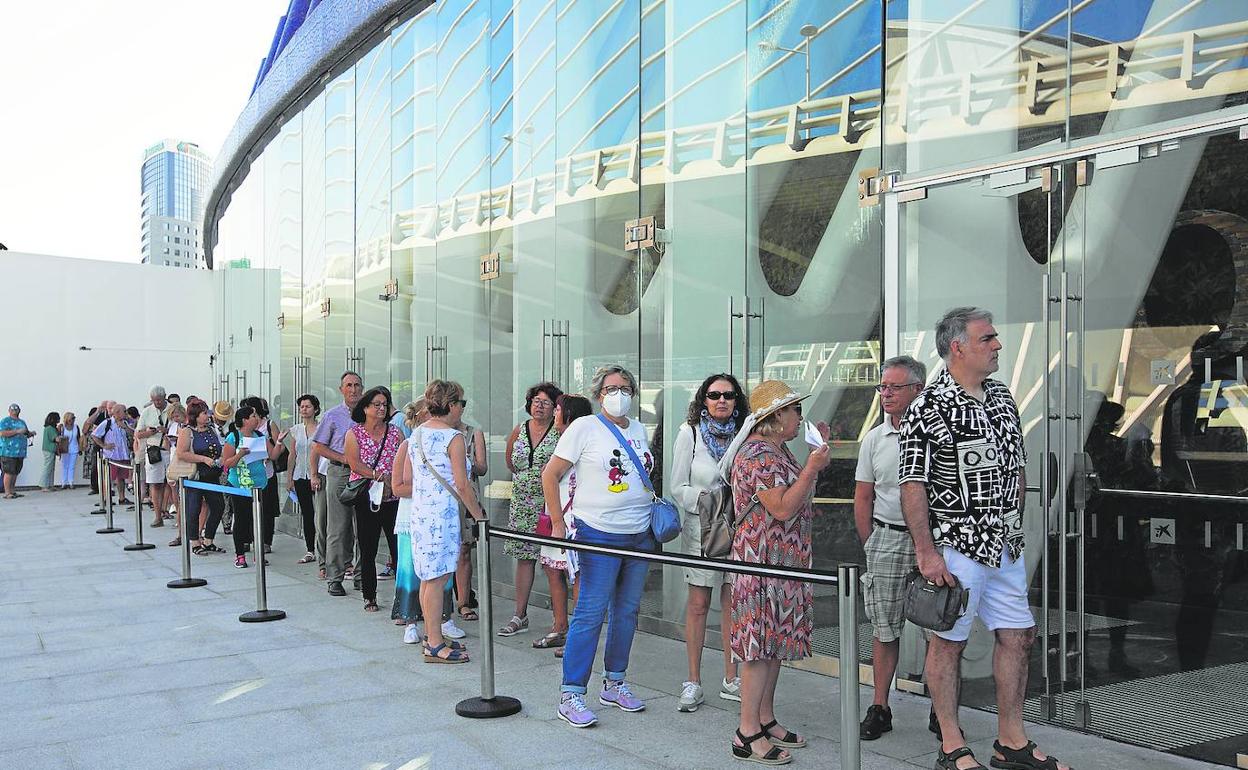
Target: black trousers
243,518
216,507
303,490
369,525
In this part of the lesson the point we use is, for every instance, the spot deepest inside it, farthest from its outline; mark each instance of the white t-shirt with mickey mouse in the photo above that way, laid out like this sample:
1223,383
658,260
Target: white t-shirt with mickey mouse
610,493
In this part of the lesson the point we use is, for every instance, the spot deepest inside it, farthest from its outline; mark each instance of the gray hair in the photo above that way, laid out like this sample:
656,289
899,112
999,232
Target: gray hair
953,327
918,372
157,392
600,376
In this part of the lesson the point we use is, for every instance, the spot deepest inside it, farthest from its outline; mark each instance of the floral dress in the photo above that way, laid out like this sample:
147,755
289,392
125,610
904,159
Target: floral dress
432,524
772,619
526,488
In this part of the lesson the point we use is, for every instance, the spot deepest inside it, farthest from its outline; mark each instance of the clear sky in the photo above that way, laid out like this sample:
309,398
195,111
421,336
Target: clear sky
87,86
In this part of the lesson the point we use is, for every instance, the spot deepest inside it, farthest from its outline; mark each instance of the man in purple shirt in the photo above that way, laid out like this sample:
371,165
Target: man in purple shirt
329,440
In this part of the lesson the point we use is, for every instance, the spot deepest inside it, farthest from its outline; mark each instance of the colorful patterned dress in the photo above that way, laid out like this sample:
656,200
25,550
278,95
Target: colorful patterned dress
772,619
526,488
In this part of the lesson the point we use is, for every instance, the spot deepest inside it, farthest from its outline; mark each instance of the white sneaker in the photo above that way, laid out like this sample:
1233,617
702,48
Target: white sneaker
691,697
730,689
412,634
450,630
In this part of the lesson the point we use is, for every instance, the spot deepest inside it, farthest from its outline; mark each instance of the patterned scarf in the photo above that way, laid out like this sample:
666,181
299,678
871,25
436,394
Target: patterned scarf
717,435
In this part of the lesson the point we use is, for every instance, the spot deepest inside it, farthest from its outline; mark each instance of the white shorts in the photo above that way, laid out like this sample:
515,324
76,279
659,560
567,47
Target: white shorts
154,473
998,596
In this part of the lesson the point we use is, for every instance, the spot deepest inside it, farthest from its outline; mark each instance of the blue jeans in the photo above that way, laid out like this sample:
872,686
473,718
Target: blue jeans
610,589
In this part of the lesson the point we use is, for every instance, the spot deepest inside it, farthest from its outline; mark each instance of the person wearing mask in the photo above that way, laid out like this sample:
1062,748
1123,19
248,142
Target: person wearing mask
244,459
199,446
529,446
557,563
330,439
772,618
311,504
71,436
13,435
714,417
150,433
432,469
177,469
113,437
882,530
611,507
370,448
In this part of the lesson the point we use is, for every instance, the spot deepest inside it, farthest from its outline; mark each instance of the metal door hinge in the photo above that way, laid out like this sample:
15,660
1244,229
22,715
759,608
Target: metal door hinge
1083,173
872,184
325,308
643,233
392,291
281,321
491,266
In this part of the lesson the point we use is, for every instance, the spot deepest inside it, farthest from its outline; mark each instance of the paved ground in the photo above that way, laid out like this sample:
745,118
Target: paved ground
104,667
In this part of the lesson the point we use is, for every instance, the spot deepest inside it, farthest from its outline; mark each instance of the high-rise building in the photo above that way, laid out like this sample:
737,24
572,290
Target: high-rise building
175,175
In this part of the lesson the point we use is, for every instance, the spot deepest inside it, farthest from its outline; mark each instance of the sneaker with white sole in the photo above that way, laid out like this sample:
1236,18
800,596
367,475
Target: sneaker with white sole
240,562
691,696
617,694
572,709
730,689
449,629
412,634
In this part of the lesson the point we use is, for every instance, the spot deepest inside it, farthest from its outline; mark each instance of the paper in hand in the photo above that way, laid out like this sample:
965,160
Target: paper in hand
813,437
256,446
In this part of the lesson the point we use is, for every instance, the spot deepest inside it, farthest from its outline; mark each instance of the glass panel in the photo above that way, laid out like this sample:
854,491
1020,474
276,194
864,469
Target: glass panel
313,184
403,87
966,83
339,223
289,241
371,350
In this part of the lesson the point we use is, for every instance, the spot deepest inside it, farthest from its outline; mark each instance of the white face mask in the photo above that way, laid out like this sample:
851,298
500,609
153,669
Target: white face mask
617,404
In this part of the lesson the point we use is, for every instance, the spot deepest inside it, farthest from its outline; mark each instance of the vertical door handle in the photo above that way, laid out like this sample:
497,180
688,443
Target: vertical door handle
745,342
1046,501
544,338
732,320
1063,521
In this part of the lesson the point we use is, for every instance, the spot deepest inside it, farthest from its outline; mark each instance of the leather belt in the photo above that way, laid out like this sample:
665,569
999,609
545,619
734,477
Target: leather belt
893,527
337,464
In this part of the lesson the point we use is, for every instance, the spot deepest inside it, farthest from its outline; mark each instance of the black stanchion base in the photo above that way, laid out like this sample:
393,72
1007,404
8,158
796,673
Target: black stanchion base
480,708
261,616
186,583
139,547
109,530
98,512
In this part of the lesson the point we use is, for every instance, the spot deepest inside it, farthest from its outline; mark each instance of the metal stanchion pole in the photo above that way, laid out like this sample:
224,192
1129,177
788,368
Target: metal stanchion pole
138,545
489,705
851,749
105,475
186,581
100,480
262,613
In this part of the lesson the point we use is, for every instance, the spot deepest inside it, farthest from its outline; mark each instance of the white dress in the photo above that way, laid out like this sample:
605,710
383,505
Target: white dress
432,516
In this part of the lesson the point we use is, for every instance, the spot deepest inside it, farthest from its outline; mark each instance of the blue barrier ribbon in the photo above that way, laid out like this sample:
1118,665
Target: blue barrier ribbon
189,484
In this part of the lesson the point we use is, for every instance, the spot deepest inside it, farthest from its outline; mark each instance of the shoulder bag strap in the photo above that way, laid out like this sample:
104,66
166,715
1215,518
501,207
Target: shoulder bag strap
420,447
645,475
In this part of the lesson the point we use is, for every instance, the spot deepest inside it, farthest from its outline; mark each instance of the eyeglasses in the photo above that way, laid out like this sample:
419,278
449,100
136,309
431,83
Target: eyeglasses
542,402
796,407
379,405
894,388
611,390
716,395
462,402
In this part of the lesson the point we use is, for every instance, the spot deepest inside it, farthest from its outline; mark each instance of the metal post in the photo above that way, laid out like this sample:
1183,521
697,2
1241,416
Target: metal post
138,544
101,480
262,613
105,475
186,581
851,749
489,705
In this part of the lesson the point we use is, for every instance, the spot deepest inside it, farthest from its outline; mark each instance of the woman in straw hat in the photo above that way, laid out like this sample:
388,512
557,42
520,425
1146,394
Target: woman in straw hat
772,618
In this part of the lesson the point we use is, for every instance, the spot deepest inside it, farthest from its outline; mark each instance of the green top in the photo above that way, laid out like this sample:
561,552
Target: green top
49,438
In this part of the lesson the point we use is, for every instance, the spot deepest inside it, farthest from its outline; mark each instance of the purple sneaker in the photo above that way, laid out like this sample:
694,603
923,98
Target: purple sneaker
617,694
572,709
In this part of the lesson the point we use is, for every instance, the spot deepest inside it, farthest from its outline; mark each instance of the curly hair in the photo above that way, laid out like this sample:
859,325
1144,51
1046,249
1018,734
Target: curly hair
699,399
550,389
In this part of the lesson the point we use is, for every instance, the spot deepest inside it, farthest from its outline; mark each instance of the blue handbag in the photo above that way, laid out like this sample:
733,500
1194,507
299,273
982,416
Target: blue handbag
664,517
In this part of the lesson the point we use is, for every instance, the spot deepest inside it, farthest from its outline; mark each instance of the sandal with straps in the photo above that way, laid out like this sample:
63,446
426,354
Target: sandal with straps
452,655
950,761
467,613
790,740
1021,759
777,755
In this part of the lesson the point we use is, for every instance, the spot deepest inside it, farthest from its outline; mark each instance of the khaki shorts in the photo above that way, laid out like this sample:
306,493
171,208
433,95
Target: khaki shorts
691,544
154,473
890,558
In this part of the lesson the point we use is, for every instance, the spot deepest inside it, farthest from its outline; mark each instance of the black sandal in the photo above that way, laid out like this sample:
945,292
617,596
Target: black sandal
777,755
790,740
950,761
1020,759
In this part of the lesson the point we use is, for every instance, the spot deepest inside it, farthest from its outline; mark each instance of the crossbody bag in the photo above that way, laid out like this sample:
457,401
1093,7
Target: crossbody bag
353,489
664,516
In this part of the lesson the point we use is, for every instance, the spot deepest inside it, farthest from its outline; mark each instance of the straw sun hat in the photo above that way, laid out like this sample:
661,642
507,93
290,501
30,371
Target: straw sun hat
222,410
770,397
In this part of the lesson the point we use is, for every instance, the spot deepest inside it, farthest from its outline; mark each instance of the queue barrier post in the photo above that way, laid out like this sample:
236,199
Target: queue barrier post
262,613
106,494
138,545
186,581
490,705
851,748
99,477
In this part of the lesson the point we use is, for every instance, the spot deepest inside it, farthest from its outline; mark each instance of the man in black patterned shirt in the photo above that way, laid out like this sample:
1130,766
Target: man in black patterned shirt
962,483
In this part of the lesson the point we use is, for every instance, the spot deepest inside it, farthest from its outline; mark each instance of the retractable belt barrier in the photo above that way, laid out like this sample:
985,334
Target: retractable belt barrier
186,581
491,705
136,465
106,499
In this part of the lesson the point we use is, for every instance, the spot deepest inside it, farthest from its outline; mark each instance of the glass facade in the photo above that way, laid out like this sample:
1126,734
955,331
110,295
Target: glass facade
826,178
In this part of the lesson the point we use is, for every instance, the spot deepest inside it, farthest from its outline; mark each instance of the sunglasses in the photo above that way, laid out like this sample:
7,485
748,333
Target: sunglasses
462,402
716,395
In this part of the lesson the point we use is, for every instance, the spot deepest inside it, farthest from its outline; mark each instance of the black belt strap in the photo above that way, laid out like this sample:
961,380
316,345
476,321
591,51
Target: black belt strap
886,525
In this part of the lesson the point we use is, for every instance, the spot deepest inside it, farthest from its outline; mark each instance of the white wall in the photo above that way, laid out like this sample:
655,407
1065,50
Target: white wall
144,325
